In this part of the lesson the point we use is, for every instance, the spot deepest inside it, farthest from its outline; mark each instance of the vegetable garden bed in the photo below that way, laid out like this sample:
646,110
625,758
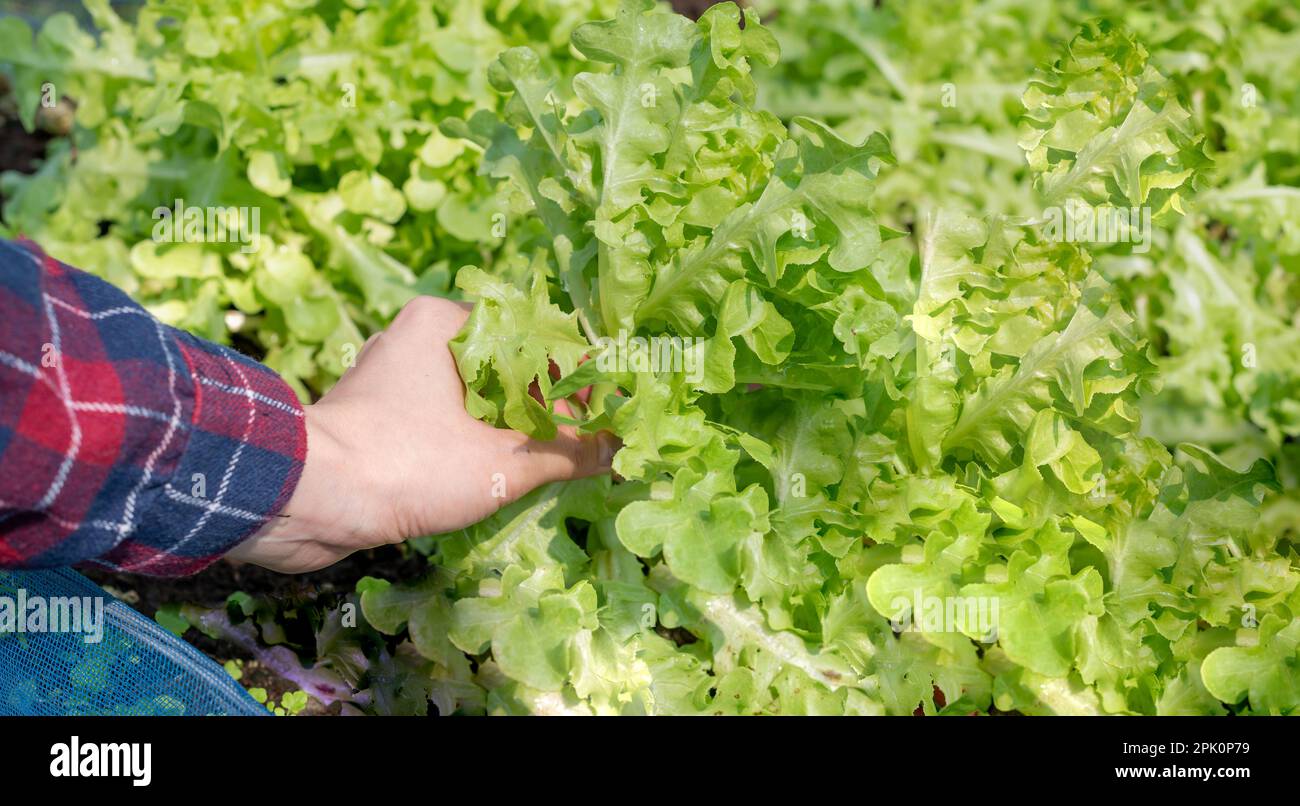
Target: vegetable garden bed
980,329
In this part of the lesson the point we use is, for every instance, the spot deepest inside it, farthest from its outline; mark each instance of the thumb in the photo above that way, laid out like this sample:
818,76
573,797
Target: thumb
568,456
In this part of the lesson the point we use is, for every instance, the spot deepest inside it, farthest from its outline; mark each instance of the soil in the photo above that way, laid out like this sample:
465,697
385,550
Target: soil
20,150
211,587
693,8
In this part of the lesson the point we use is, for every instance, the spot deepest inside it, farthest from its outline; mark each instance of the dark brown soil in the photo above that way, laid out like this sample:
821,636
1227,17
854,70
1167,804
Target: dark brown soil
255,675
212,586
20,150
693,8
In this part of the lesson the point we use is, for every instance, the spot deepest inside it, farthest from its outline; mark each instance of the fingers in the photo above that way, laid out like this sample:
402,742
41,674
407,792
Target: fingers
419,316
529,463
365,348
563,409
432,316
410,361
564,458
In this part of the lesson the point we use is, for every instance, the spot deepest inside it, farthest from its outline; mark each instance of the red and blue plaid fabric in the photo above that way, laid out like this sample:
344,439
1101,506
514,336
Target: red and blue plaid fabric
124,442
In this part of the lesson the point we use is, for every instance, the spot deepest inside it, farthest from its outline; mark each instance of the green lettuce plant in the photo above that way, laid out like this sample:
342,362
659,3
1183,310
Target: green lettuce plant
1216,292
881,420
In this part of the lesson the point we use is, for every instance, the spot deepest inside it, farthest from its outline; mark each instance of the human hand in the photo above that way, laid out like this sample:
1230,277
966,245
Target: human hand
392,454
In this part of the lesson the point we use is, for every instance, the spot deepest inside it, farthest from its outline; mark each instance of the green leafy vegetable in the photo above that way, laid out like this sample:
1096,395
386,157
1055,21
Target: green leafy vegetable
897,450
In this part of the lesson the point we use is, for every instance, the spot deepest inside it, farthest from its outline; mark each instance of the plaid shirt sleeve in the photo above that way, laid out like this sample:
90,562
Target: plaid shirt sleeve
124,442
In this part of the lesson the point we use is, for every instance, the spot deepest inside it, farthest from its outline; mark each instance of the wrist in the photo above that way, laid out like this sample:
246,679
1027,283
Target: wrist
323,520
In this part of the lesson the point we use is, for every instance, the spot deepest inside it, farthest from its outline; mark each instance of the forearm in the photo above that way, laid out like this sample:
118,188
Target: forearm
125,442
